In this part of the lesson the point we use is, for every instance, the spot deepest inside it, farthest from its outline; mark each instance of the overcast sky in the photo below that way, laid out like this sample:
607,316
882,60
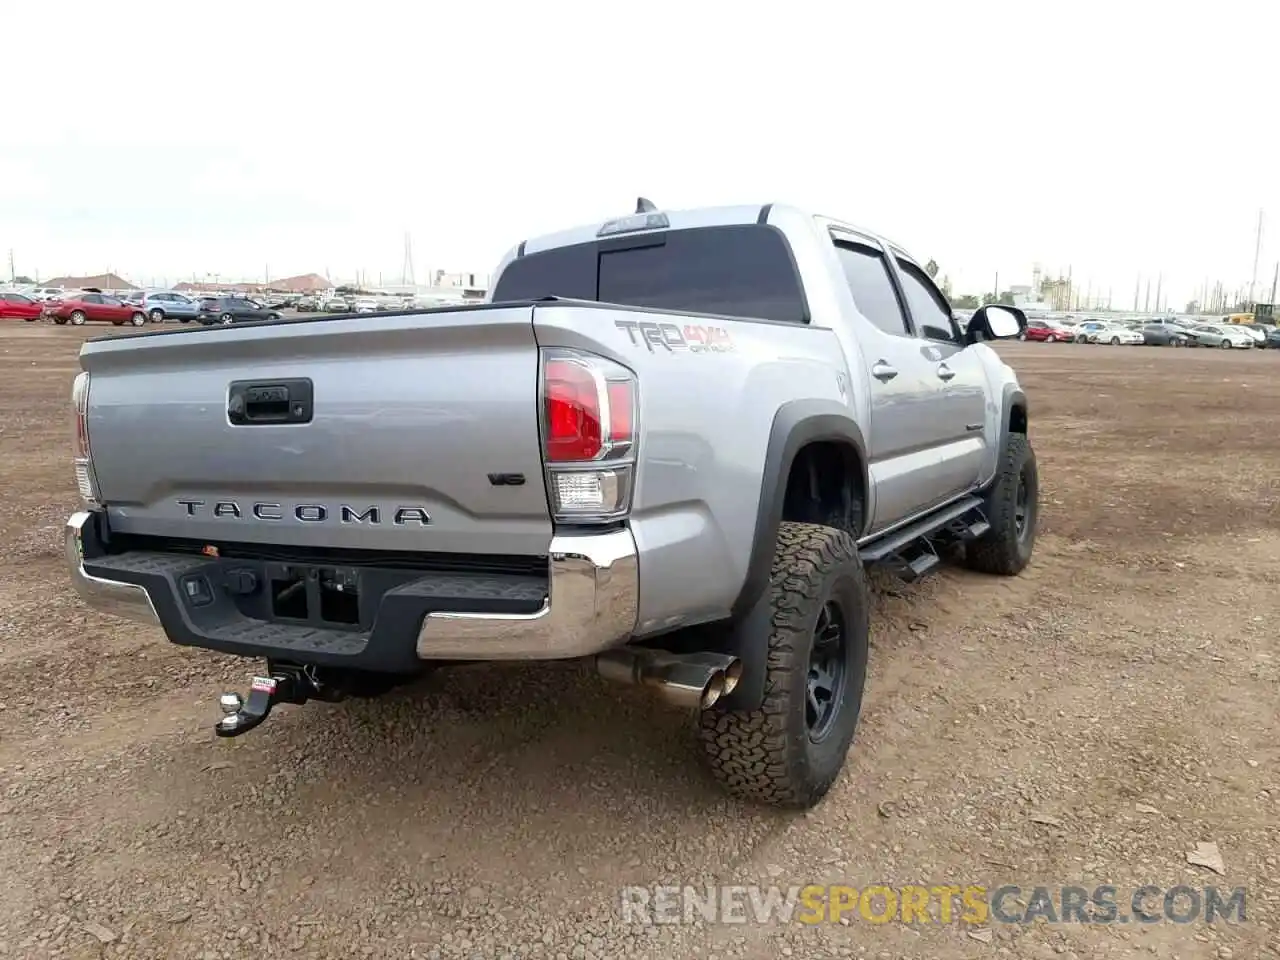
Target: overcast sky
166,140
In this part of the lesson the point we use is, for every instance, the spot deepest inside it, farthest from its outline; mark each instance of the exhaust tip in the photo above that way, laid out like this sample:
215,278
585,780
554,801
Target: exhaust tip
715,689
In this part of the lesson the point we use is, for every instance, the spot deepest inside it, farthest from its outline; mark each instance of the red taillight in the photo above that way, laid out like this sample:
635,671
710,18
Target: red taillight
574,393
573,412
590,413
622,399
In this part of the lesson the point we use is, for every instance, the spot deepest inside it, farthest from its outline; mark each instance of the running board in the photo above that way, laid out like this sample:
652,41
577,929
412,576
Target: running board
910,551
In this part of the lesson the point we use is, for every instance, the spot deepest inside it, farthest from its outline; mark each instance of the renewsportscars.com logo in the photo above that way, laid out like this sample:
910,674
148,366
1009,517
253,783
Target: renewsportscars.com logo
973,904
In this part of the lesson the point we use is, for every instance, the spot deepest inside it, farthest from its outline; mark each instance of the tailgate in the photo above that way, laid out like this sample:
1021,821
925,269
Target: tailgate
420,430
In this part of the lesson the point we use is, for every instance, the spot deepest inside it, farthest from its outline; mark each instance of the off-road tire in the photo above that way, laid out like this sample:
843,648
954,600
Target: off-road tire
1003,549
767,754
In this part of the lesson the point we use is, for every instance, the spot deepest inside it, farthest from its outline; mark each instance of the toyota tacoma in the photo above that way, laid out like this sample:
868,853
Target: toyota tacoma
672,442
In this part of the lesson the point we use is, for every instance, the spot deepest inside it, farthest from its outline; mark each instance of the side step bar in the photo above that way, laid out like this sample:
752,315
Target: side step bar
910,550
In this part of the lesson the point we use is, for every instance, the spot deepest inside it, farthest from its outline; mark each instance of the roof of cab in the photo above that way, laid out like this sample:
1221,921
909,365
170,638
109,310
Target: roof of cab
778,214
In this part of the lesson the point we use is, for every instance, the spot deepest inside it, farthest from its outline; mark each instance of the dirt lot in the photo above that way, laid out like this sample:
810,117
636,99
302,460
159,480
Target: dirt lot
1088,722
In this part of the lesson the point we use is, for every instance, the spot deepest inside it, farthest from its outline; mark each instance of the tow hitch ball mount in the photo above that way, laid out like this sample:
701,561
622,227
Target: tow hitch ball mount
283,683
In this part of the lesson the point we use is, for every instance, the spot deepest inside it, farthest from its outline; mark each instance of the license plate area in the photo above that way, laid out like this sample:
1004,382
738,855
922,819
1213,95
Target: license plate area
328,596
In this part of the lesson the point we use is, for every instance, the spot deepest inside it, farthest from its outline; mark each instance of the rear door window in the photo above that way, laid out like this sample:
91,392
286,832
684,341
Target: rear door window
743,270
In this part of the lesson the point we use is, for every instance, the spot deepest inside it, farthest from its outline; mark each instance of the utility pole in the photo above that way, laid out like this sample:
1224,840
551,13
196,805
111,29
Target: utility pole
1146,302
13,274
1274,277
1257,251
1137,290
1159,283
995,295
406,269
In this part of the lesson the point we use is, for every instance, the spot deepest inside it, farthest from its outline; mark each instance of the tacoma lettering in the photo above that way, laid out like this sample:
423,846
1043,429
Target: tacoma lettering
371,515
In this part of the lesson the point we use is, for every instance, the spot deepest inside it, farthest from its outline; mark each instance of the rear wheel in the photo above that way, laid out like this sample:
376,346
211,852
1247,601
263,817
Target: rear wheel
157,315
1081,338
791,750
1013,510
226,318
77,318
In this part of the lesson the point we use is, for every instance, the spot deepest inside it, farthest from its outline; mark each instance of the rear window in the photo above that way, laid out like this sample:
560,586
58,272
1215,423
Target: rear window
744,270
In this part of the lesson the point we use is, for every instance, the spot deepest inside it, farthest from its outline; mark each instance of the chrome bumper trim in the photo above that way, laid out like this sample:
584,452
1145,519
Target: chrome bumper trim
592,606
126,600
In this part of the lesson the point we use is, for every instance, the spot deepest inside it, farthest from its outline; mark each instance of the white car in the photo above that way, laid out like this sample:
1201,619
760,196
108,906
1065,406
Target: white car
365,305
1102,331
1259,337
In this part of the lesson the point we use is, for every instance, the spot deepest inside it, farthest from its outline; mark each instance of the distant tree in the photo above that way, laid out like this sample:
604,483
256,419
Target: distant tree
1006,298
966,302
931,268
26,280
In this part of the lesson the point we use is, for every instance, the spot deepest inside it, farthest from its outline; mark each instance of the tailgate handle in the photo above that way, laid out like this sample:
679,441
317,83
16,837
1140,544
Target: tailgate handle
277,401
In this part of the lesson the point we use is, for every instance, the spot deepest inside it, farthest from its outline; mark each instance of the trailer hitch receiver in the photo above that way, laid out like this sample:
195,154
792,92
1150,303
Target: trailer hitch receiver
284,683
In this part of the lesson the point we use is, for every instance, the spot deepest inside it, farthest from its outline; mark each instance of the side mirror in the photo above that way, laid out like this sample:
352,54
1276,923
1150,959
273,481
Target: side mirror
995,322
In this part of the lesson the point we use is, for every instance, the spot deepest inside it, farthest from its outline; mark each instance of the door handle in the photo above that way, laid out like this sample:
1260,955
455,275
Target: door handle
281,401
883,372
945,372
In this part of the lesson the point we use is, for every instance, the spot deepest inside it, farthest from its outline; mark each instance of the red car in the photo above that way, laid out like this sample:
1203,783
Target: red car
17,306
1043,330
79,307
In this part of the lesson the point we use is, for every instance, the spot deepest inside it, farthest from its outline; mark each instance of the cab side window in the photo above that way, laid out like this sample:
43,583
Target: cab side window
929,309
867,274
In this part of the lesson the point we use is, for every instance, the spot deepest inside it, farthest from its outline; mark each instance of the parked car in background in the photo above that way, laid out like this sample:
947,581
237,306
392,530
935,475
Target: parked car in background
306,304
366,305
232,310
1105,331
1046,331
47,293
337,305
77,309
1164,335
1257,331
169,304
1085,328
18,306
1224,335
1270,334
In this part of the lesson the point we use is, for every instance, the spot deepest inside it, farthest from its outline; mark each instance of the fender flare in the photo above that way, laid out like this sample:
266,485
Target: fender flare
795,424
1012,398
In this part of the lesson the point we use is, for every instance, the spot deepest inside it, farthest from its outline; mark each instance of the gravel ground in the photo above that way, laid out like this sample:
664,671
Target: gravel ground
1088,722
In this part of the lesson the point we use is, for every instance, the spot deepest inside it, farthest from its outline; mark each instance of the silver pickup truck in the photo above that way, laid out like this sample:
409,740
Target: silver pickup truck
671,442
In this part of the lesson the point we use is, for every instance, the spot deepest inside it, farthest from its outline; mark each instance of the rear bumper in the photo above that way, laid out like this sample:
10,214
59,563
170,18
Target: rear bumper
587,602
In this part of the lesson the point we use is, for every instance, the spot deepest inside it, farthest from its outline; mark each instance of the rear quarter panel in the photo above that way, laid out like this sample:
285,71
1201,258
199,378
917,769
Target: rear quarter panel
709,391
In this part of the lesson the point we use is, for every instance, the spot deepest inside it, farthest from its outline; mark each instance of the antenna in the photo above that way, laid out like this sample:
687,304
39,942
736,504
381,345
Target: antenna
645,206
